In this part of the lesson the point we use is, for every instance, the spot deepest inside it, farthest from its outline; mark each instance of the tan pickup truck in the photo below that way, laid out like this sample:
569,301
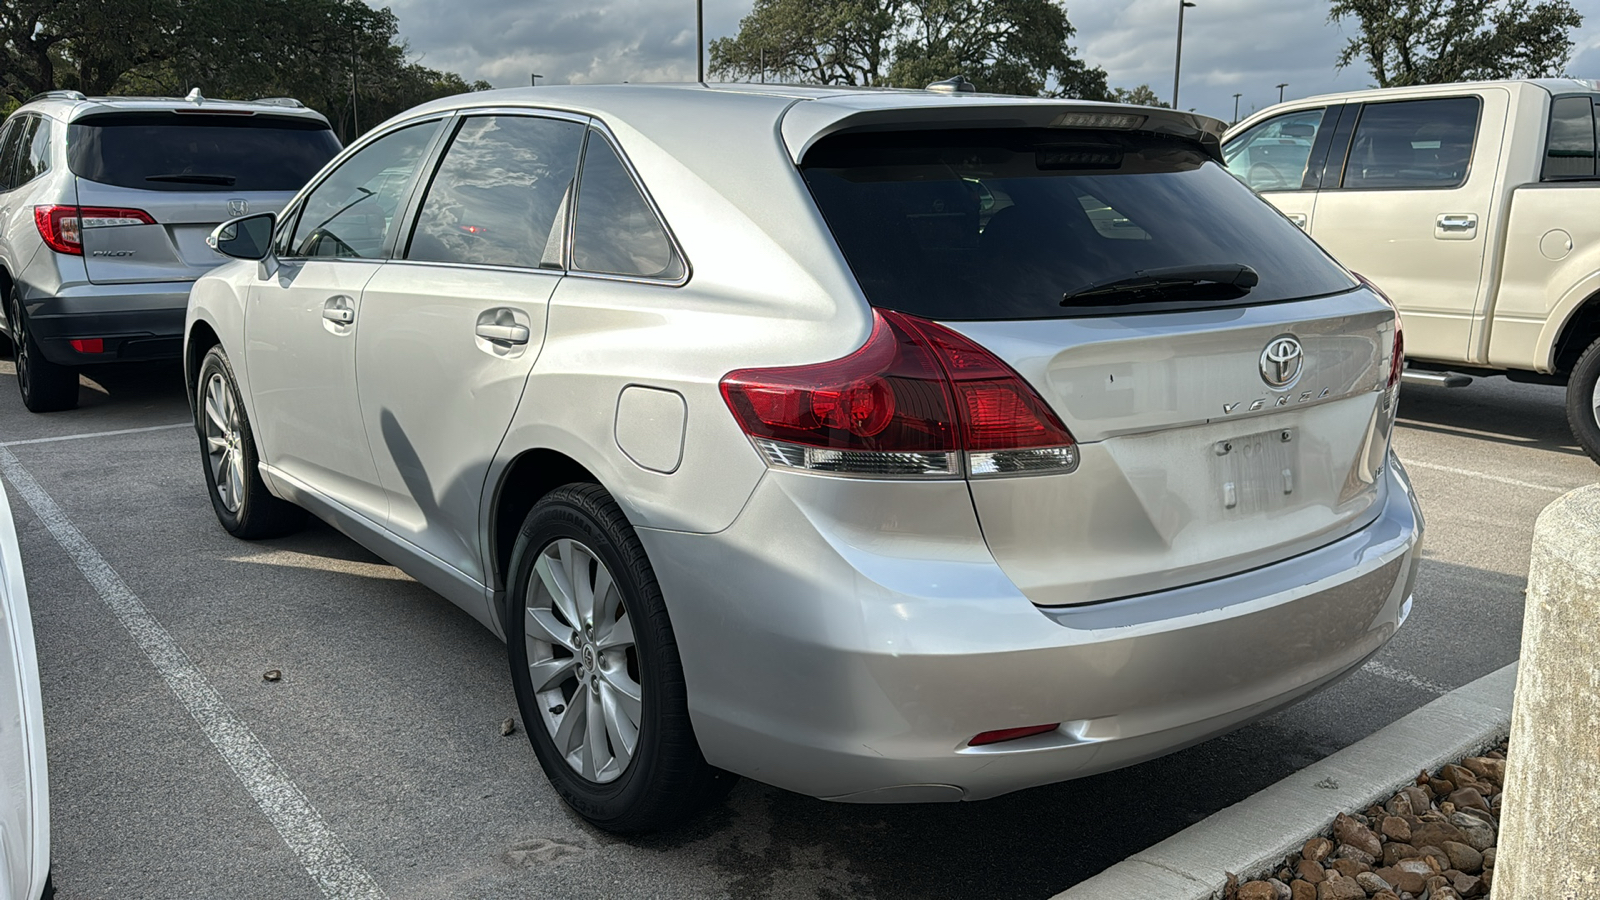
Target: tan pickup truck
1475,207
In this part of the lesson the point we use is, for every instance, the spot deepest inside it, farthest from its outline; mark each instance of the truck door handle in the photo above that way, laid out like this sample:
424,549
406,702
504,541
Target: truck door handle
1466,222
1298,219
337,310
505,334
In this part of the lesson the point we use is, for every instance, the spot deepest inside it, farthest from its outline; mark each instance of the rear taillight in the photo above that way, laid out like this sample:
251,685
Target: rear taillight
916,400
62,226
1397,352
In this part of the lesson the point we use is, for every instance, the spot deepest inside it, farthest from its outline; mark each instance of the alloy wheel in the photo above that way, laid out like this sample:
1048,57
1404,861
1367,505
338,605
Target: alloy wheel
224,450
583,661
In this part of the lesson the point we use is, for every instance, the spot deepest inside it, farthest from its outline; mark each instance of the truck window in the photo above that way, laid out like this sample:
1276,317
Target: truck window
1571,152
1273,155
1413,144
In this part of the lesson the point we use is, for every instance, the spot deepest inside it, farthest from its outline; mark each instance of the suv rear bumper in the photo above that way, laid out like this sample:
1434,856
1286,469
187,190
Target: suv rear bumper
133,321
851,653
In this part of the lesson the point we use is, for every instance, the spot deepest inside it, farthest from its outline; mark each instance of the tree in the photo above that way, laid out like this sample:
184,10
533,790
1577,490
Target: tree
1003,46
1143,95
1407,42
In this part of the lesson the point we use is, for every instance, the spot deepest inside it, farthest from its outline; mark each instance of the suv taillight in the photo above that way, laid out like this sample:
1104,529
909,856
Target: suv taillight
62,226
917,399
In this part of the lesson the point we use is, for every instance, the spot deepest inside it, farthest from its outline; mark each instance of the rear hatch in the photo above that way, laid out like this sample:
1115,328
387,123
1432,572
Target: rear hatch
1228,384
182,173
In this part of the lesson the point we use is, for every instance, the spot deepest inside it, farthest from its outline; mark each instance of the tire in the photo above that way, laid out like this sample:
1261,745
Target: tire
1583,416
663,779
228,455
45,386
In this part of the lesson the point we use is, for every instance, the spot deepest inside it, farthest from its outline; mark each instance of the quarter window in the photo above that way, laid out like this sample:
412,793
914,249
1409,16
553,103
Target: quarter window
10,148
497,196
615,231
33,157
1413,144
1571,153
351,214
1273,155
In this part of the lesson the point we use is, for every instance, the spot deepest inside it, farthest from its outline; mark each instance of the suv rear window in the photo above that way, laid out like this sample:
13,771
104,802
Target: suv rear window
1005,223
166,151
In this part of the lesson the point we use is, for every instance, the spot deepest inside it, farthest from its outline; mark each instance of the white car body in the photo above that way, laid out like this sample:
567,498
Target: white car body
24,785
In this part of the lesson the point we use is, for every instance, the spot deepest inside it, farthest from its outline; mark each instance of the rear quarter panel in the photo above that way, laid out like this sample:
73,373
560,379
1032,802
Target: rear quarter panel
1552,265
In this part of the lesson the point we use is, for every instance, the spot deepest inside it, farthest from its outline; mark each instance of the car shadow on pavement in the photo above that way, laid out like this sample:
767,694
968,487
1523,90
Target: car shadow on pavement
1494,410
130,383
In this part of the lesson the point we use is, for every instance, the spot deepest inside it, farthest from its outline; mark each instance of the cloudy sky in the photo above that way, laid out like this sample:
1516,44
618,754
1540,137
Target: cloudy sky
1230,46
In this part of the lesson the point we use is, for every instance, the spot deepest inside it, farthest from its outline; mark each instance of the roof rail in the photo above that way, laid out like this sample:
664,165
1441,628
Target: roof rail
58,95
288,102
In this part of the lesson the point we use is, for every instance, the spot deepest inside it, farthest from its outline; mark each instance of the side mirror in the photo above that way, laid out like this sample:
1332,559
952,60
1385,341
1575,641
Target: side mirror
249,237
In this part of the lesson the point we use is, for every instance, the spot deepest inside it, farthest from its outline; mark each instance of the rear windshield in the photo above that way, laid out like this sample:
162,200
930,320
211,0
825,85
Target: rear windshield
1007,223
194,152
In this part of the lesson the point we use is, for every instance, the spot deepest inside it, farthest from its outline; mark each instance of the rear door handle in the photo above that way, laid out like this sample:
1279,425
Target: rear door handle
1455,226
1298,219
338,310
505,334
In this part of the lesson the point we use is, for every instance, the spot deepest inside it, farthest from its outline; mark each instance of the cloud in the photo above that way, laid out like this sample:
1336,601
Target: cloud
1229,46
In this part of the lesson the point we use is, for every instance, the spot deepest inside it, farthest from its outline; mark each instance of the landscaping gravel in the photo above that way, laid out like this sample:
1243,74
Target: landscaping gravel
1432,840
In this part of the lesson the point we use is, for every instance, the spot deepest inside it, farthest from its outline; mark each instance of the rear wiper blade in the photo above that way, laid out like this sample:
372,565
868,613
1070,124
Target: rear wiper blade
193,178
1232,276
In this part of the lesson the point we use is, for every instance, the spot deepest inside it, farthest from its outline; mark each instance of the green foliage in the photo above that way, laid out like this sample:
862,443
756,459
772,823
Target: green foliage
1143,95
340,57
1406,42
1002,46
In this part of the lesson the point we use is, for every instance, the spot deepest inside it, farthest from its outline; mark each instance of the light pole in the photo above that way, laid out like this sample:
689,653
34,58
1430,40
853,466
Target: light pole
1280,91
1177,64
700,41
536,78
1236,107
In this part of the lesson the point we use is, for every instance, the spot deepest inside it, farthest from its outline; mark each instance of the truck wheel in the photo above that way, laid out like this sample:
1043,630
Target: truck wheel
1583,401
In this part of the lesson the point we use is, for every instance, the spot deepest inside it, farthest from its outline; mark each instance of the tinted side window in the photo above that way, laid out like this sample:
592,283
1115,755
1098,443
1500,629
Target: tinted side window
615,231
1273,155
353,211
498,193
1572,139
33,158
1413,144
10,147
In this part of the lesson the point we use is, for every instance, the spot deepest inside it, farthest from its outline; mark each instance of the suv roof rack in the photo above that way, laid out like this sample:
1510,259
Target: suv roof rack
289,102
58,95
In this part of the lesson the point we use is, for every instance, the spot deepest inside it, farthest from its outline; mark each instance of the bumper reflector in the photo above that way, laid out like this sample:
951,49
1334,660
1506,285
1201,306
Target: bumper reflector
1011,734
89,345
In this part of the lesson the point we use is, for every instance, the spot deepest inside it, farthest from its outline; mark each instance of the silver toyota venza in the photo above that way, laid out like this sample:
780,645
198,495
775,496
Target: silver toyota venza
881,446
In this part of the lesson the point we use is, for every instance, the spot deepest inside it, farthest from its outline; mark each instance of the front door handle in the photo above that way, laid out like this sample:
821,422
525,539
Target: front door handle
1455,226
1298,219
505,334
338,310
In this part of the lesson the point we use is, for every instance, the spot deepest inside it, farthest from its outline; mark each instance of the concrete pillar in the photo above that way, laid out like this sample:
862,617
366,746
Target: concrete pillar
1549,845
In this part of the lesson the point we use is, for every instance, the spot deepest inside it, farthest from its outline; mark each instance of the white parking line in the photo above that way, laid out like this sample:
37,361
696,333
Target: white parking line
318,848
95,434
1414,464
1374,667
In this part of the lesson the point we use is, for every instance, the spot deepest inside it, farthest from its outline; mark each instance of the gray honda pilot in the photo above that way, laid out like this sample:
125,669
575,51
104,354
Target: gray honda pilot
105,205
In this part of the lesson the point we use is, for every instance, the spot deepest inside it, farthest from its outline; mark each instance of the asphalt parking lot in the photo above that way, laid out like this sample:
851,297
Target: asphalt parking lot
381,744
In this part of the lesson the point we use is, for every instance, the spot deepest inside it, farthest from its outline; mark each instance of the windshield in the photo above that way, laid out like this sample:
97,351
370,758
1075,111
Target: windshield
1007,223
166,151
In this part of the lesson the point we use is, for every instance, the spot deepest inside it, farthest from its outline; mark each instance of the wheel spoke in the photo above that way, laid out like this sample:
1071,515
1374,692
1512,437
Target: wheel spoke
577,558
236,475
554,577
626,693
618,635
569,729
542,625
216,444
551,673
595,755
623,729
606,597
214,412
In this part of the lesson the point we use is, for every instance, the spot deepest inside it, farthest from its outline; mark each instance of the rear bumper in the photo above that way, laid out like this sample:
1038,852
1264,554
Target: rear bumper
133,321
849,660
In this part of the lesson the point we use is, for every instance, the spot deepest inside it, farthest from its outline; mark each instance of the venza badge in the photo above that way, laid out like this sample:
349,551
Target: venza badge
238,208
1281,362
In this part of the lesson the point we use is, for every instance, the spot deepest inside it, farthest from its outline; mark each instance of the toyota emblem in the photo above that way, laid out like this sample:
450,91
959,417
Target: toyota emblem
1281,362
237,208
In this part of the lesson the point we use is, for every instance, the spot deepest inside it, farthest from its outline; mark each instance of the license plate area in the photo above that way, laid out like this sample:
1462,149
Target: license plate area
1257,473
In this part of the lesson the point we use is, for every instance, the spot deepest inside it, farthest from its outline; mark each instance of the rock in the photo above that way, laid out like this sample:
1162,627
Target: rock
1386,895
1372,883
1347,830
1256,890
1398,805
1469,798
508,727
1488,858
1463,857
1419,799
1437,883
1280,889
1439,858
1441,787
1230,888
1346,851
1458,776
1447,807
271,675
1487,768
1410,882
1302,890
1317,849
1340,888
1485,816
1476,833
1420,865
1467,885
1310,871
1349,868
1435,834
1394,852
1395,828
